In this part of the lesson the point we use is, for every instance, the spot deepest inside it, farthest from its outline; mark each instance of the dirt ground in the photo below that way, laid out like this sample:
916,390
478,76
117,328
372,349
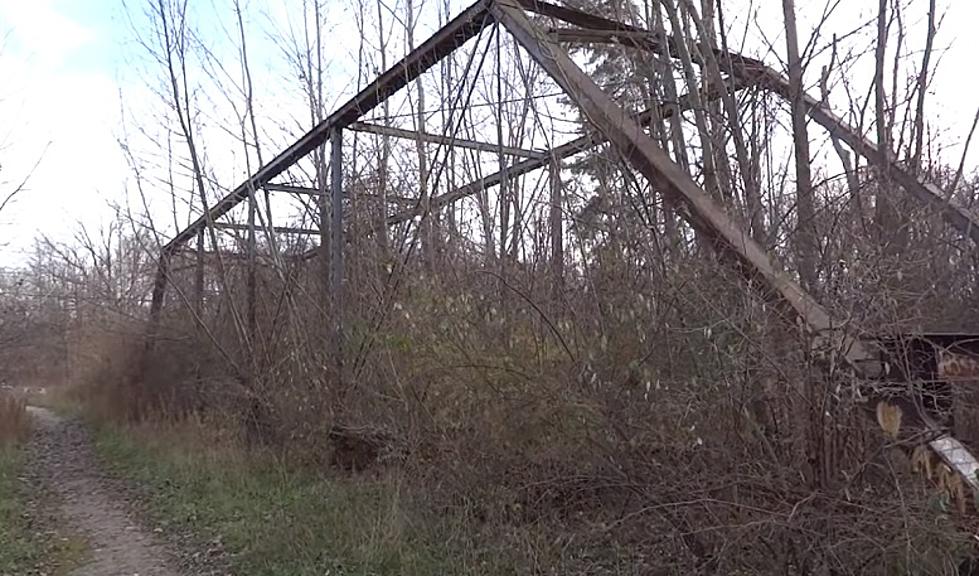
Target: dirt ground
91,507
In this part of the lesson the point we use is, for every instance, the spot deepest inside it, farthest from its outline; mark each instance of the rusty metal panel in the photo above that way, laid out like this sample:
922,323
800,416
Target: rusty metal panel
931,357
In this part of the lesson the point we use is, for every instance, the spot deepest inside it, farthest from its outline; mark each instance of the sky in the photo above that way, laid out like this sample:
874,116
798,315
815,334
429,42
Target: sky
59,102
73,80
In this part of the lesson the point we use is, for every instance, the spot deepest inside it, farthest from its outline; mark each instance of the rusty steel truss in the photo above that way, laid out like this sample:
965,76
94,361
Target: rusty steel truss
864,357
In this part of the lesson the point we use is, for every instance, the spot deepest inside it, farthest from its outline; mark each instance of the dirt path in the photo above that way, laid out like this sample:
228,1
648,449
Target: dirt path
88,505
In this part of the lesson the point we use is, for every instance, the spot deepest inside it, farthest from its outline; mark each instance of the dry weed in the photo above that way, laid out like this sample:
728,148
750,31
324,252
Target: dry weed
14,420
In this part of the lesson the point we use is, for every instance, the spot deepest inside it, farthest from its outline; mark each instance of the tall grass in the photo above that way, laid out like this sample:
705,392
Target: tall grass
14,420
273,520
19,552
19,549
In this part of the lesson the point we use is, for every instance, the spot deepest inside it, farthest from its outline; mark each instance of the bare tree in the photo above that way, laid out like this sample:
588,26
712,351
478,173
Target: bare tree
805,203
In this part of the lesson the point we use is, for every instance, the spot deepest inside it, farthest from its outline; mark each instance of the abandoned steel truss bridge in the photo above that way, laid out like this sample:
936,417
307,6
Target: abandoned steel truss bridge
867,359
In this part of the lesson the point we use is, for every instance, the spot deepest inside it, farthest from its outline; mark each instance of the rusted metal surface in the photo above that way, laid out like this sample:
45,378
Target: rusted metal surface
957,367
943,365
913,377
556,224
445,140
749,70
704,214
336,245
199,274
277,229
589,140
444,42
159,292
931,356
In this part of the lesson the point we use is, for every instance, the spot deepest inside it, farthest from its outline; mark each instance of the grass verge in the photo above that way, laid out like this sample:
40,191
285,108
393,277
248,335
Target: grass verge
21,549
271,521
14,420
28,545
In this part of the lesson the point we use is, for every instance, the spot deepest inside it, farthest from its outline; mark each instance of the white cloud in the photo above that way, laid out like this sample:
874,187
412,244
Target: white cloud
60,96
41,34
58,112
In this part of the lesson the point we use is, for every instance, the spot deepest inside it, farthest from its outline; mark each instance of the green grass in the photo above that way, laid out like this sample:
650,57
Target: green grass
20,550
277,522
25,548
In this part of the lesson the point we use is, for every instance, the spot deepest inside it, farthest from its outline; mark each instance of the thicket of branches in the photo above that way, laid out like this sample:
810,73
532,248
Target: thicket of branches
585,384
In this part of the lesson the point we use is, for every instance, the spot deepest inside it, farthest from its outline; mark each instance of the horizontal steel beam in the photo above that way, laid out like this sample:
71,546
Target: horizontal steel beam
276,229
582,143
292,189
450,37
307,191
629,38
184,254
626,34
446,140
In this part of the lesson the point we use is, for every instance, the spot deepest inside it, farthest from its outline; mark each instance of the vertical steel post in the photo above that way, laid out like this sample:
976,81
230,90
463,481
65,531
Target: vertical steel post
336,243
156,304
323,202
199,276
557,227
251,288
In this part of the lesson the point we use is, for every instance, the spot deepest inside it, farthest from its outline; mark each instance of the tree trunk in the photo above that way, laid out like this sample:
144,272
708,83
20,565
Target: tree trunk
806,243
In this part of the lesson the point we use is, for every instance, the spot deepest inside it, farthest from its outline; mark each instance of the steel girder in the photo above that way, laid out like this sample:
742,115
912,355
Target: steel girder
754,72
707,216
625,132
431,52
457,32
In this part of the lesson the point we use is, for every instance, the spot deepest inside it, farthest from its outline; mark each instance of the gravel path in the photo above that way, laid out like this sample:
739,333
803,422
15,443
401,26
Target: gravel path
90,507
